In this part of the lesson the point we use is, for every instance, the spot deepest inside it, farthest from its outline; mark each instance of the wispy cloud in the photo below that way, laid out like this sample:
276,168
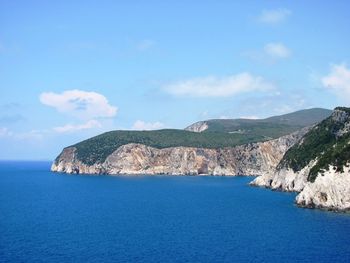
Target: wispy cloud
69,128
212,86
31,135
142,125
338,81
274,103
277,50
274,16
270,54
79,103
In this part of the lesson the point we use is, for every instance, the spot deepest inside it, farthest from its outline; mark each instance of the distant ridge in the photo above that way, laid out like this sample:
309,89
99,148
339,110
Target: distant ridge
273,127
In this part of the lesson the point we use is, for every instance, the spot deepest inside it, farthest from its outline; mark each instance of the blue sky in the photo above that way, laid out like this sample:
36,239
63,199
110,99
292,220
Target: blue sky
73,69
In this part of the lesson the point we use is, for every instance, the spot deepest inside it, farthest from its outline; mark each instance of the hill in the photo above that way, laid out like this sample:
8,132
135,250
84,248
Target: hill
271,127
96,149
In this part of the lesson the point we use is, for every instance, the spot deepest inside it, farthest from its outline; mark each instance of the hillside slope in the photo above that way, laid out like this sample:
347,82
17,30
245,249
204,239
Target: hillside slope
272,127
317,166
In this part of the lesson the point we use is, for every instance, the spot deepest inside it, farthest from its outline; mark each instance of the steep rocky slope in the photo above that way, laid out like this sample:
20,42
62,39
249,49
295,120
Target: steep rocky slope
249,159
317,166
197,127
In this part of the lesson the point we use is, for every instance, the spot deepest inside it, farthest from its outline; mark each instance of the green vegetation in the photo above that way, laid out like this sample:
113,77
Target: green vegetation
221,133
252,127
322,143
97,149
270,127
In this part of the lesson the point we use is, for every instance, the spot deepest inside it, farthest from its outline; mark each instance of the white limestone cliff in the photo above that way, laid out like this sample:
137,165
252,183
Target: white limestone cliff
331,188
330,191
198,127
284,179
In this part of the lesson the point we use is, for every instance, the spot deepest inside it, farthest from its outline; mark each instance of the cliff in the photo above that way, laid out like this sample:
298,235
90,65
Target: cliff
135,158
197,127
317,166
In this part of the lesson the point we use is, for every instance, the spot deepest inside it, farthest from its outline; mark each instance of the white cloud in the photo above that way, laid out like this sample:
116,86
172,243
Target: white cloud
73,128
219,87
277,50
338,81
79,103
275,16
269,54
30,135
26,135
141,125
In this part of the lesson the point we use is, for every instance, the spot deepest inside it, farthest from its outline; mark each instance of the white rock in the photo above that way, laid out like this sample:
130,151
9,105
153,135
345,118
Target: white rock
329,191
284,179
197,127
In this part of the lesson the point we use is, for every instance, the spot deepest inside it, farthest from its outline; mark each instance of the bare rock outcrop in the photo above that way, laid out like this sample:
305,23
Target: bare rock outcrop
198,127
328,187
330,191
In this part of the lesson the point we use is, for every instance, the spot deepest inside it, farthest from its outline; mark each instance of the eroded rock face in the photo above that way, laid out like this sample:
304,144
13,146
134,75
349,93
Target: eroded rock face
250,159
284,179
197,127
67,162
330,191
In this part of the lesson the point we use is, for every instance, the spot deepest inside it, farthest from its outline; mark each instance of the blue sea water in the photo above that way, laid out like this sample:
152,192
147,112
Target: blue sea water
48,217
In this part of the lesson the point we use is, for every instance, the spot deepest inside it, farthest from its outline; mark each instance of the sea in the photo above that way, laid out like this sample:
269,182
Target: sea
51,217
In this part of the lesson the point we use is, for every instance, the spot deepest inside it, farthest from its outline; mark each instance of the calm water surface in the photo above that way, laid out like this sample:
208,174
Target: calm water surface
47,217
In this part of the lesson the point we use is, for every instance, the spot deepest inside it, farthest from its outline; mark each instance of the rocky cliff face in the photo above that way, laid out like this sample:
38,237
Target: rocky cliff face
284,179
250,159
330,191
324,181
198,127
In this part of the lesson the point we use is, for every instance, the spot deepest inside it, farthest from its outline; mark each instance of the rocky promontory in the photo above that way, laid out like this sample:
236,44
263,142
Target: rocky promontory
134,158
317,166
